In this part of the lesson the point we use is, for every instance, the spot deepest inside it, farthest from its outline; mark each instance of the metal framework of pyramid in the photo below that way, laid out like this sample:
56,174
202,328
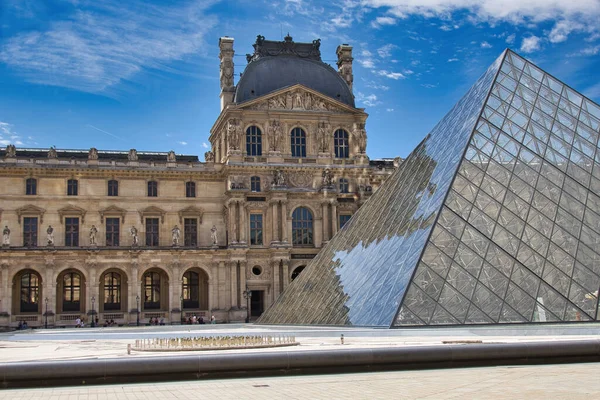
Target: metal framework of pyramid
493,218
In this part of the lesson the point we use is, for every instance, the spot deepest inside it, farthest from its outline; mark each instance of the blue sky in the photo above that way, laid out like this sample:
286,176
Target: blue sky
145,75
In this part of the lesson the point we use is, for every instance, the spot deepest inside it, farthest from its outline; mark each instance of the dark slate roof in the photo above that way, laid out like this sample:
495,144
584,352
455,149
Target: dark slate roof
102,155
276,65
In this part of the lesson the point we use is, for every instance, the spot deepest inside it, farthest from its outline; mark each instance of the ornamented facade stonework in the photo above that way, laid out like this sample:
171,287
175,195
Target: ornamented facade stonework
113,214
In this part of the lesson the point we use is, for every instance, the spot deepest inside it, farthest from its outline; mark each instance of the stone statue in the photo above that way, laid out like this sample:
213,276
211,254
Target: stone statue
276,135
11,151
227,73
134,236
176,233
298,100
213,235
278,178
322,137
6,236
171,156
209,156
361,137
307,100
233,134
327,176
93,154
132,156
52,152
93,232
50,235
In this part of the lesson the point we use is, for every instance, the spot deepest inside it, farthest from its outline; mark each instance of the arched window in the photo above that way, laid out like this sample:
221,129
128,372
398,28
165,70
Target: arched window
340,144
297,271
253,141
302,227
191,290
298,141
112,291
151,291
255,183
30,292
71,292
344,185
31,186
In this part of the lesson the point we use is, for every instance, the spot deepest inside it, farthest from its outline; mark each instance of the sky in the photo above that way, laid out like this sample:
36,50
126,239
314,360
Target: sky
137,74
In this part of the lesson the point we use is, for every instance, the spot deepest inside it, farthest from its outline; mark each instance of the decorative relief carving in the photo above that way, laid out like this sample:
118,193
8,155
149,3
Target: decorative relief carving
296,100
171,156
132,156
11,151
360,136
209,156
275,135
301,179
93,154
234,133
278,179
327,178
323,129
238,182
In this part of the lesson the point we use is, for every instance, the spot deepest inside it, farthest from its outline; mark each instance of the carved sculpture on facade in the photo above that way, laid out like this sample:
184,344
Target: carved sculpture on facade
209,156
132,156
301,179
278,178
11,151
134,236
93,154
171,156
234,133
52,152
327,178
213,235
175,235
6,236
360,134
275,135
227,72
50,235
296,100
323,137
93,233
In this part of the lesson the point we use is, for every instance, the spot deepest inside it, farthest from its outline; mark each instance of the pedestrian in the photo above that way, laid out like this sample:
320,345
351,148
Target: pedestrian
78,322
194,319
213,320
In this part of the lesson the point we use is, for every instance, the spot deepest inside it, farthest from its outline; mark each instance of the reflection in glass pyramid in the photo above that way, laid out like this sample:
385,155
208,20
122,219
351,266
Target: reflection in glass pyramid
493,218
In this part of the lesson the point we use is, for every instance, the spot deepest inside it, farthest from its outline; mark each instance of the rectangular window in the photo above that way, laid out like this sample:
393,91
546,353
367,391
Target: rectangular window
343,219
72,186
152,189
72,232
190,232
112,232
256,229
190,189
151,231
113,188
30,231
31,187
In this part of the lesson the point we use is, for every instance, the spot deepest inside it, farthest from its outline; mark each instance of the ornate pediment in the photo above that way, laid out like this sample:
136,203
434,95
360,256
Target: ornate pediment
30,209
112,210
152,211
298,98
191,211
72,210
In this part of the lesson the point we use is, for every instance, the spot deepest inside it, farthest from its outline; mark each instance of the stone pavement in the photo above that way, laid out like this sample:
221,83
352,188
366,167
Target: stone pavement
567,381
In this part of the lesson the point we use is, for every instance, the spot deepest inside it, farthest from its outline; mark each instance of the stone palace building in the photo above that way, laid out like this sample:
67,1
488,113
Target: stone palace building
132,235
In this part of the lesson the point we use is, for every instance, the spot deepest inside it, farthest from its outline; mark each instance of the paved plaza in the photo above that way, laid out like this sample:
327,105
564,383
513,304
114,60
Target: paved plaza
569,381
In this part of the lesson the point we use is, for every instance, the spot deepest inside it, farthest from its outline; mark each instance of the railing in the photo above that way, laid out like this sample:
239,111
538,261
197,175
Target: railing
26,318
69,317
188,314
160,314
113,316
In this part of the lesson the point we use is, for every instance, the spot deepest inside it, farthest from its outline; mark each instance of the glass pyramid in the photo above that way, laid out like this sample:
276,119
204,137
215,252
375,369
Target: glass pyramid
493,218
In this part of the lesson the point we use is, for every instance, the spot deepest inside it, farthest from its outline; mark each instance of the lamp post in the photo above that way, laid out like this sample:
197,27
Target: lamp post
181,300
46,314
247,295
93,324
137,300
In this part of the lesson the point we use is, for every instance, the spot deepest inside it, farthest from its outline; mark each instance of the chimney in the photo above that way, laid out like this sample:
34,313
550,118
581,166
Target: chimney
344,63
226,76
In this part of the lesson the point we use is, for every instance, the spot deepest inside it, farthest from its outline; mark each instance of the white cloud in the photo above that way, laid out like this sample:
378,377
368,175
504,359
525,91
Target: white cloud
486,45
377,87
383,21
8,135
366,59
389,109
530,44
428,85
101,44
386,51
590,51
204,145
390,74
182,143
510,39
452,59
561,30
368,100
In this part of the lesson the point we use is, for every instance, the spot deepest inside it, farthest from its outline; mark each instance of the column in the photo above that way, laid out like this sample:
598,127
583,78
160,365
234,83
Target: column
232,223
276,288
243,219
233,283
286,275
325,221
219,272
134,291
6,304
276,236
334,219
284,224
243,265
